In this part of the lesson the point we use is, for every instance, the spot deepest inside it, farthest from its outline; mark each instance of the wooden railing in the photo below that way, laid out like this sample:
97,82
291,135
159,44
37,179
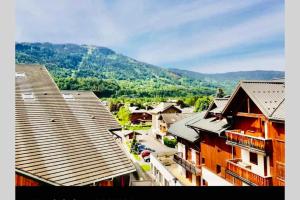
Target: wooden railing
191,167
246,175
236,137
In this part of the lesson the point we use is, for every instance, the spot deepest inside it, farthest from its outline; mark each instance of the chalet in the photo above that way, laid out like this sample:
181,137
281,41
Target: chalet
162,108
239,140
256,115
63,138
201,144
139,115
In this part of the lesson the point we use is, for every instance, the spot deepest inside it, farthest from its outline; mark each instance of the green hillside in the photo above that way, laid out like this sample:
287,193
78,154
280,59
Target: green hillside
82,67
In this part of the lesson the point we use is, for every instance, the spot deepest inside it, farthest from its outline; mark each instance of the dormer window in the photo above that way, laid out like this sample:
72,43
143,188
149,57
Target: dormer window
20,75
28,96
68,97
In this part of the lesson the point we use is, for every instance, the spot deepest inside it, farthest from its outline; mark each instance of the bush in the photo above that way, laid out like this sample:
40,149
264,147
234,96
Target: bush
170,143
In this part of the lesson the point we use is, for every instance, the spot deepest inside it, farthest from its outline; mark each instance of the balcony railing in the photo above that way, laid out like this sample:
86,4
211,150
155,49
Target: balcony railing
259,144
246,175
191,167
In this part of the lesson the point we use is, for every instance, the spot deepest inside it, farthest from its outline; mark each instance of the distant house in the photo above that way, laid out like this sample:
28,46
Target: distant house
162,108
63,138
126,135
139,115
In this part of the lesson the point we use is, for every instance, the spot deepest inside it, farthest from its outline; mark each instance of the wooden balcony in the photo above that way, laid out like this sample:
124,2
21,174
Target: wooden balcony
235,169
253,143
189,166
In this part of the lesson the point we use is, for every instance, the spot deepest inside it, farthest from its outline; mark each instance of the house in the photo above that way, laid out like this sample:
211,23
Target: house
166,120
162,108
126,135
201,143
239,140
214,152
256,115
63,138
139,115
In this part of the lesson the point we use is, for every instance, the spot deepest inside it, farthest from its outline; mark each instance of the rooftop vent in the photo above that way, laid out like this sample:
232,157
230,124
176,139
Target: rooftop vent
20,75
68,97
28,96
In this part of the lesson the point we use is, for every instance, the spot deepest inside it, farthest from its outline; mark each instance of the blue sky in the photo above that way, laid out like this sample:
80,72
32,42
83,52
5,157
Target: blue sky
209,36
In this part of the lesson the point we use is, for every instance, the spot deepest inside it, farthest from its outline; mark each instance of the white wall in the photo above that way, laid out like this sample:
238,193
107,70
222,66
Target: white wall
163,171
259,168
181,148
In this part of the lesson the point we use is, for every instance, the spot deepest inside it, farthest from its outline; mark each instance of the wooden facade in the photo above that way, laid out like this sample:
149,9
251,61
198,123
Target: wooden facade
251,150
140,117
253,131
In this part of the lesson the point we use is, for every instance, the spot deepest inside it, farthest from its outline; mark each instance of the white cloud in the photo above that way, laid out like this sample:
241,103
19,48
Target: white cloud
207,42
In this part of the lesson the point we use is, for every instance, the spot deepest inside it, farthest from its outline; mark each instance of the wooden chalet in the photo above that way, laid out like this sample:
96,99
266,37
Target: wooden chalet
63,138
256,115
239,140
139,115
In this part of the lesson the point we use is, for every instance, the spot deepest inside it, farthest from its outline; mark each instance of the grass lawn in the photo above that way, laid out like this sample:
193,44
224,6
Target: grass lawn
138,127
146,167
137,157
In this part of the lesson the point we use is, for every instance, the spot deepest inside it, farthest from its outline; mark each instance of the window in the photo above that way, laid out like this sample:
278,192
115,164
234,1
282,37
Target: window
253,158
218,169
203,160
68,96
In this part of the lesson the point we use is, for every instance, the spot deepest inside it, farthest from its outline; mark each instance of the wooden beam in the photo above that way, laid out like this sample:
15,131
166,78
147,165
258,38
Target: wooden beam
243,114
248,104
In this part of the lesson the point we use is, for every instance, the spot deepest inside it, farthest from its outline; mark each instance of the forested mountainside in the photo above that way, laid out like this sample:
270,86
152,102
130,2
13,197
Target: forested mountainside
83,67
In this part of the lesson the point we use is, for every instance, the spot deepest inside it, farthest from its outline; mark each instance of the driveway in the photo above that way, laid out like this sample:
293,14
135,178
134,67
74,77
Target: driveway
147,139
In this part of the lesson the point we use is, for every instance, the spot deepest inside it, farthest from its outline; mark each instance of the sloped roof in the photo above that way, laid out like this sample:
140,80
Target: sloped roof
63,138
279,113
170,118
211,124
180,129
217,106
266,94
163,106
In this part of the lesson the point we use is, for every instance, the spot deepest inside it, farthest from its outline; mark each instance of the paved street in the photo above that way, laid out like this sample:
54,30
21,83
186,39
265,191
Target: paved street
152,143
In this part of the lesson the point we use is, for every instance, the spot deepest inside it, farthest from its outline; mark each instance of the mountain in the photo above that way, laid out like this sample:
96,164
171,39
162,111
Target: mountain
229,76
112,74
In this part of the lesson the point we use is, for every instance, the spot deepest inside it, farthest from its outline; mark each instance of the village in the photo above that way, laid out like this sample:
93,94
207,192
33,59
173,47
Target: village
70,138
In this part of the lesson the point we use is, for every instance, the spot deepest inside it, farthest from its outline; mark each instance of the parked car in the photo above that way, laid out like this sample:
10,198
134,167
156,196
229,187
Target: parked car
147,158
141,148
145,153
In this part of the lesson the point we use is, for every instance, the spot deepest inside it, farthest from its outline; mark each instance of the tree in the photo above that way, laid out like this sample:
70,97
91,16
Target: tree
123,115
220,93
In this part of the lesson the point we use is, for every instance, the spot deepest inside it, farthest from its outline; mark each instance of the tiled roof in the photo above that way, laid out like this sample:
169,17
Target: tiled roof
217,106
170,118
180,129
62,138
162,107
267,95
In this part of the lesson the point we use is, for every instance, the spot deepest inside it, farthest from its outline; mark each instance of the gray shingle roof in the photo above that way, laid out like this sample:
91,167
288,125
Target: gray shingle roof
63,141
180,129
163,106
210,124
267,95
170,118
